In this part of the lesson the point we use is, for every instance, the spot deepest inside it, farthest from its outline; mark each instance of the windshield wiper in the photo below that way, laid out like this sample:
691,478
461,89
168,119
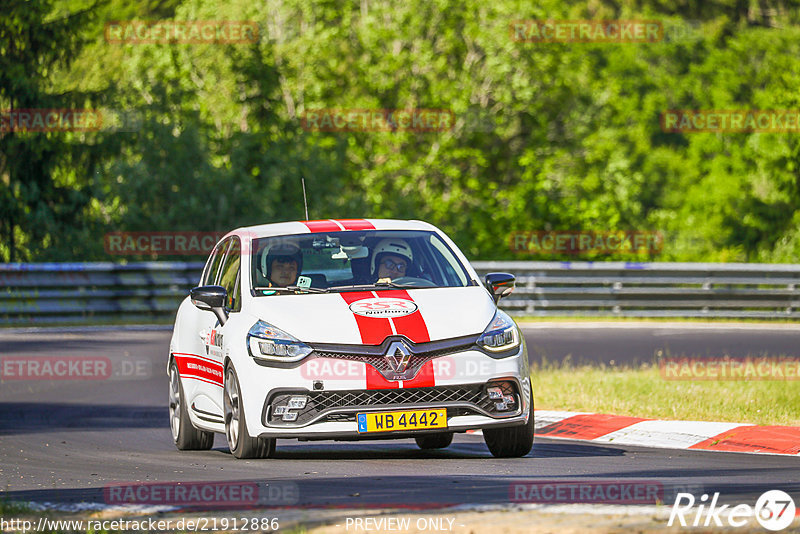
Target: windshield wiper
361,287
296,289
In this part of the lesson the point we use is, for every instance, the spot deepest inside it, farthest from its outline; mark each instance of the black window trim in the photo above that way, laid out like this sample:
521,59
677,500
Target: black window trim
228,249
222,247
470,281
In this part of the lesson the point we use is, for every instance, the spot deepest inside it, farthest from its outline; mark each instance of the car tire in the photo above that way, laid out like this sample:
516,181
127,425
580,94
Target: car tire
511,442
185,436
434,441
241,444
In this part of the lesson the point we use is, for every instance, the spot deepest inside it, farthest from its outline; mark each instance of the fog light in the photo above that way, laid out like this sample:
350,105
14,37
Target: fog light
500,406
495,393
509,399
279,410
297,402
290,416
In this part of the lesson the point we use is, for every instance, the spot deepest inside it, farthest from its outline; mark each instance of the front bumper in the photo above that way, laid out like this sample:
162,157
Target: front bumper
329,412
349,431
467,405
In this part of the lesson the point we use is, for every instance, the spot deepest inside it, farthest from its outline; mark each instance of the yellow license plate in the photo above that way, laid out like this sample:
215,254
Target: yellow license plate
403,420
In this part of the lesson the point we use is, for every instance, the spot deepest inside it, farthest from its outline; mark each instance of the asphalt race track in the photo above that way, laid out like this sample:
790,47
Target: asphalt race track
620,343
65,441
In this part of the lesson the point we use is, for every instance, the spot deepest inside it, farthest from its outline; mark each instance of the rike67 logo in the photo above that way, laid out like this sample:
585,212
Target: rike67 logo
774,510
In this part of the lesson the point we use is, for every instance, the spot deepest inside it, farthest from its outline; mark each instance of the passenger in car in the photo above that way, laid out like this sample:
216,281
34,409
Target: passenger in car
391,258
281,265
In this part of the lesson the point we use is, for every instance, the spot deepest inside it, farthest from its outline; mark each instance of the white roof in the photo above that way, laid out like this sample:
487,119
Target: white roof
331,225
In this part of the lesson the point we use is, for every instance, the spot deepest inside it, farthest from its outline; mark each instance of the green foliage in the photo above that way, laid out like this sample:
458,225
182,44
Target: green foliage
547,136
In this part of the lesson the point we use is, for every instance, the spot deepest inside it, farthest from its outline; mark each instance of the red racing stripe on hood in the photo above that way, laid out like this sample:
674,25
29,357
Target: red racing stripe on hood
375,380
424,379
413,325
373,330
414,328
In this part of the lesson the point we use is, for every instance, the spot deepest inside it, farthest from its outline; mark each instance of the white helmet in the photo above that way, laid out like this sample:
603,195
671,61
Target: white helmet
391,246
283,251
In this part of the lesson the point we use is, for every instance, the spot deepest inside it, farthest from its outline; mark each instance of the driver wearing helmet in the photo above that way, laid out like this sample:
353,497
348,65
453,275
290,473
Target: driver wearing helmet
282,264
391,258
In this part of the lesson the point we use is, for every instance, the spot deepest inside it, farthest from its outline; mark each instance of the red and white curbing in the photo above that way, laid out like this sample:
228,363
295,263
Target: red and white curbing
695,435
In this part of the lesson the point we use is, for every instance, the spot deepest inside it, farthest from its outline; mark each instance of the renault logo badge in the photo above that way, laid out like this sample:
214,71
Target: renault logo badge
398,356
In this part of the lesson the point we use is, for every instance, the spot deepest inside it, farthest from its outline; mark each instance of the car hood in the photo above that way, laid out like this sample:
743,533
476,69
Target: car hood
368,317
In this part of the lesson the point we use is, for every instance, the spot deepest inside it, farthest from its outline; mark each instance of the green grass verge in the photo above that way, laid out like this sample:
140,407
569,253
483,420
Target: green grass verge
8,508
642,392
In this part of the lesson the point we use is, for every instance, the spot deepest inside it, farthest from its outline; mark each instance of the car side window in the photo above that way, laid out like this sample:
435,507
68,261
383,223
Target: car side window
229,275
210,276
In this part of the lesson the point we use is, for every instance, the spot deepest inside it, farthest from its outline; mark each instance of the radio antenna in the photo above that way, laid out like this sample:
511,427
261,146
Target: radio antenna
305,201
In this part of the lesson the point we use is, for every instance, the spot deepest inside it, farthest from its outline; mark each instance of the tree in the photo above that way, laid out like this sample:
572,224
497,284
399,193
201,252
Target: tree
45,177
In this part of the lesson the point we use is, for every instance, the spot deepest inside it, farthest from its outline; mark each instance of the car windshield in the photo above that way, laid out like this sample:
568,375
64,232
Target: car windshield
354,260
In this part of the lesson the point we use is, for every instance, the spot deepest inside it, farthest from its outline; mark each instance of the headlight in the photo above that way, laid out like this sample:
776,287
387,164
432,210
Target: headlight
501,334
267,342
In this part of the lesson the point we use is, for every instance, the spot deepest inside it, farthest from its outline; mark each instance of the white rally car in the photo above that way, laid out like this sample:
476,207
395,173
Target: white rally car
346,330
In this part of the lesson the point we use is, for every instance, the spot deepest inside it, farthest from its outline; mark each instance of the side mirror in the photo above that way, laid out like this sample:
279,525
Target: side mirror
500,285
211,298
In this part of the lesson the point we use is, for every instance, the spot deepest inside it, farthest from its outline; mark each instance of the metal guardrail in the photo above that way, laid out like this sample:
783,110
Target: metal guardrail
97,293
93,293
628,289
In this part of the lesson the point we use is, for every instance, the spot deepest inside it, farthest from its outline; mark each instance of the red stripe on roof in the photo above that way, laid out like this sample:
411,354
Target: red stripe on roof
774,439
587,426
322,226
356,224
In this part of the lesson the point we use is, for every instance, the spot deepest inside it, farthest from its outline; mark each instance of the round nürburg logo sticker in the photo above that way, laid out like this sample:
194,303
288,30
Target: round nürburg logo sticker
383,307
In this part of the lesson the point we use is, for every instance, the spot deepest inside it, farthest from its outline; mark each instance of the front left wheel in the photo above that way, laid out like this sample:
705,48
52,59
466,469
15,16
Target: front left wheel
241,444
511,442
185,436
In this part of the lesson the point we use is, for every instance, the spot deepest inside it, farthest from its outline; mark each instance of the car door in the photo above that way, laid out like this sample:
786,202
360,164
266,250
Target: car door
215,334
201,367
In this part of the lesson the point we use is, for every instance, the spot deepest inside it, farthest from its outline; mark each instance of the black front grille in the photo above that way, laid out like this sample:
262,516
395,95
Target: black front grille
380,363
375,355
340,403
